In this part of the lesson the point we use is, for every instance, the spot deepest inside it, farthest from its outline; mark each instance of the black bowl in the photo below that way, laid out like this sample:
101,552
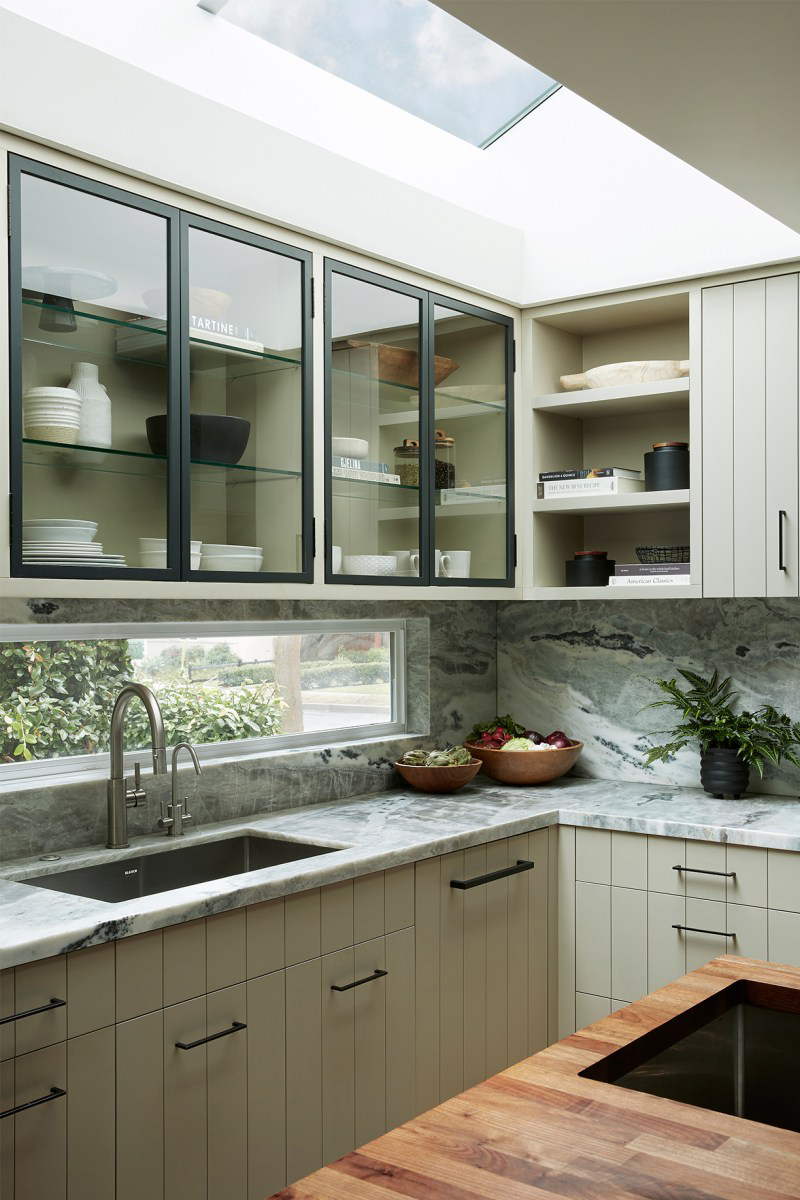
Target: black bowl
212,438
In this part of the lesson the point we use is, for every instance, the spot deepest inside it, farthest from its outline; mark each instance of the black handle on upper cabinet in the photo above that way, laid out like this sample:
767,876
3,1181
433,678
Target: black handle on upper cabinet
463,884
212,1037
31,1012
700,871
713,932
345,987
53,1094
782,515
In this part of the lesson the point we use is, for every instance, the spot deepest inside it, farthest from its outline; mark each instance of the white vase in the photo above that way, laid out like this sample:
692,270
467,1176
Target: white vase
95,405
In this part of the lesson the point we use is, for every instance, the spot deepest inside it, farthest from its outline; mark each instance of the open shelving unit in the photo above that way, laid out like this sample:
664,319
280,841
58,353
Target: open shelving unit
609,426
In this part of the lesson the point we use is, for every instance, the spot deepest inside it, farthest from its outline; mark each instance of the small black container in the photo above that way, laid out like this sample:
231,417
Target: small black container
214,438
589,568
722,772
666,467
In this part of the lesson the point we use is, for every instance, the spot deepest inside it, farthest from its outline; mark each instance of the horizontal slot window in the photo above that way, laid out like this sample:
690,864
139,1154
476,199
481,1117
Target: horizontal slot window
228,688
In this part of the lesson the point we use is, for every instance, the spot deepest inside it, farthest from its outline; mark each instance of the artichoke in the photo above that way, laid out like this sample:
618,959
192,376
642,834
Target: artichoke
454,756
415,758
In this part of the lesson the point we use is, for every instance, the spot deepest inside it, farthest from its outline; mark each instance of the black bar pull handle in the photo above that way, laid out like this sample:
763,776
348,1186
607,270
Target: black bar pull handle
782,516
31,1012
376,974
53,1094
212,1037
700,871
463,884
713,932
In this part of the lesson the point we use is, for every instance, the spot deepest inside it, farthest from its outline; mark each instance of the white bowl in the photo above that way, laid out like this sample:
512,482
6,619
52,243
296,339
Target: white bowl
58,530
231,562
350,447
369,564
223,551
153,559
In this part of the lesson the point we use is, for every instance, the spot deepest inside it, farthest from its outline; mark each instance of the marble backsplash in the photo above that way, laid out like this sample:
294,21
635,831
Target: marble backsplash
451,683
586,667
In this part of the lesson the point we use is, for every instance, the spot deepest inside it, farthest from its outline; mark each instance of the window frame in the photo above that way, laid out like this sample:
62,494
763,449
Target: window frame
80,767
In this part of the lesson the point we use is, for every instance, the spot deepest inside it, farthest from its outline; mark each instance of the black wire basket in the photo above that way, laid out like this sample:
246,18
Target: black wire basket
662,554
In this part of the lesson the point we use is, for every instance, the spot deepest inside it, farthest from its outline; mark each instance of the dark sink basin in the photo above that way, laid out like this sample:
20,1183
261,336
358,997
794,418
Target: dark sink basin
735,1052
175,868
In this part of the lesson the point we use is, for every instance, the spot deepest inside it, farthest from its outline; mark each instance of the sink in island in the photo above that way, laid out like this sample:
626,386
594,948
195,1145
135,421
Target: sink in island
544,1128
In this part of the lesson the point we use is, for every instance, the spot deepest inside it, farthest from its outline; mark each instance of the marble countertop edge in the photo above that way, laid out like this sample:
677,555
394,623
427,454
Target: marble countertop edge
367,834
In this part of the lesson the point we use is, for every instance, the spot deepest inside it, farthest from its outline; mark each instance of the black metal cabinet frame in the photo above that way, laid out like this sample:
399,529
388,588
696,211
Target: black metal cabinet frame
427,417
178,224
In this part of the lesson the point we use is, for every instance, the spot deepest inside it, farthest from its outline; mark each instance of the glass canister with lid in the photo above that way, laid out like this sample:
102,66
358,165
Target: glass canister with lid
406,461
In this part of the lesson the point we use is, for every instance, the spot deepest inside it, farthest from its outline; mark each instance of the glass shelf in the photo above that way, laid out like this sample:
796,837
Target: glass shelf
132,322
137,462
371,486
90,352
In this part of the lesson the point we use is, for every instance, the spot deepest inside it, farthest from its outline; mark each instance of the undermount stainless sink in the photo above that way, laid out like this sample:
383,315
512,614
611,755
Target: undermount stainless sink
170,868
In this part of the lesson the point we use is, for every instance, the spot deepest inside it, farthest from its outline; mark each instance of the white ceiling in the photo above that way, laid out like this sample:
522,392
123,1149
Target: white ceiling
715,82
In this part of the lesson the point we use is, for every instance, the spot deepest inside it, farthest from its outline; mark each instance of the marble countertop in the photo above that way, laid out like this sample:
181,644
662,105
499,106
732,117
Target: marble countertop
370,834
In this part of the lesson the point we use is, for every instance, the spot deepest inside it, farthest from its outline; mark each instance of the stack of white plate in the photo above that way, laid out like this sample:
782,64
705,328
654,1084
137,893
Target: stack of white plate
153,553
56,541
218,557
51,414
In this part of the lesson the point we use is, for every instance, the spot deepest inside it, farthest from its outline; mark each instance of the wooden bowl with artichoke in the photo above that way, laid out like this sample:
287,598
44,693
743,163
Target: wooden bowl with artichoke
438,770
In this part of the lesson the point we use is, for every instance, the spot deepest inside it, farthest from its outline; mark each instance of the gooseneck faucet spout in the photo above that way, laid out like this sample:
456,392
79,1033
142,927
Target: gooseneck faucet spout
120,796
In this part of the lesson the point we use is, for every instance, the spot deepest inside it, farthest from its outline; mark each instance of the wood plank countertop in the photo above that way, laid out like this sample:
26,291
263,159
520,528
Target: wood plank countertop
540,1130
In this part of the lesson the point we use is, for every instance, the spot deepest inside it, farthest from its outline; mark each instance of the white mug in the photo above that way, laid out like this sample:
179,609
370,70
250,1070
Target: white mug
403,561
455,564
414,558
336,559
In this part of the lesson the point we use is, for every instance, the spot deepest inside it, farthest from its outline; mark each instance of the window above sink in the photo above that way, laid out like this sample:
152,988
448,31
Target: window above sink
230,688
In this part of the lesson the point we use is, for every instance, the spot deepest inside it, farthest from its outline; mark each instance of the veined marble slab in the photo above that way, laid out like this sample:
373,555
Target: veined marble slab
371,834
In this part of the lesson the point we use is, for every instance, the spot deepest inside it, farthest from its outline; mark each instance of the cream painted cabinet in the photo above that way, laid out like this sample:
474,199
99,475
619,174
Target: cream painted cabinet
636,912
482,942
750,438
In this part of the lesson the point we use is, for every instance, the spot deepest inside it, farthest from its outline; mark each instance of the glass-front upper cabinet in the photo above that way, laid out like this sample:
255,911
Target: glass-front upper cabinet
159,389
90,365
247,508
418,436
473,531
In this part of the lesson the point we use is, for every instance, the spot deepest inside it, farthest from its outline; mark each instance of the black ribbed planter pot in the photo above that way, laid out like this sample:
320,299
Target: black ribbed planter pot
723,773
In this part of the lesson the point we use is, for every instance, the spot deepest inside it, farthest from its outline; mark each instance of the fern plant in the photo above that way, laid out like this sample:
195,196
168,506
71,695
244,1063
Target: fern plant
706,717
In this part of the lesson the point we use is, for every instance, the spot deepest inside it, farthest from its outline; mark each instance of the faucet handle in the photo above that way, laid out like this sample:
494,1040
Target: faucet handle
134,795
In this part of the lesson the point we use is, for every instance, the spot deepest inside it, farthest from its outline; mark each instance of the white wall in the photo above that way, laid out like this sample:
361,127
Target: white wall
569,202
604,208
63,91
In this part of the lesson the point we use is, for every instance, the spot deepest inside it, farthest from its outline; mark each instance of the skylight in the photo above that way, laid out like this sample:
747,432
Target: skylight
407,52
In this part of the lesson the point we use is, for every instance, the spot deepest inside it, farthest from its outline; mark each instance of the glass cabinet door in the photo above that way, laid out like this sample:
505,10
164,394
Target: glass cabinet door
246,306
93,379
376,463
472,427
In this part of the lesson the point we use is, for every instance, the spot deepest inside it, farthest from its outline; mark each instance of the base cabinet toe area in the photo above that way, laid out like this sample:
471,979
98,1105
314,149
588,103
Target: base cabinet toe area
636,912
228,1056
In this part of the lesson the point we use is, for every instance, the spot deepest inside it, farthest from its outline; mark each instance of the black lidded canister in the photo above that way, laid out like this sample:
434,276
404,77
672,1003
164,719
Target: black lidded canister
589,568
666,467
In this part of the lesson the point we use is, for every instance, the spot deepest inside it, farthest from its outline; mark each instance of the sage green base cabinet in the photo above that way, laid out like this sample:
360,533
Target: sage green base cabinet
638,911
482,954
223,1058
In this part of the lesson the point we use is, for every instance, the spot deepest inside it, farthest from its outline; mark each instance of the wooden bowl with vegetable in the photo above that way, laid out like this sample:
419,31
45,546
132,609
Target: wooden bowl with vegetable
438,770
512,754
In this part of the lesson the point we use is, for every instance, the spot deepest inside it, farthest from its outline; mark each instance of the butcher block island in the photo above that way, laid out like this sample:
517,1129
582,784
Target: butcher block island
545,1128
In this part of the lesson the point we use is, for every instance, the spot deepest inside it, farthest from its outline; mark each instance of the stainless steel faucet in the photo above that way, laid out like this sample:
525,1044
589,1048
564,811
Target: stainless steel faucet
176,810
120,796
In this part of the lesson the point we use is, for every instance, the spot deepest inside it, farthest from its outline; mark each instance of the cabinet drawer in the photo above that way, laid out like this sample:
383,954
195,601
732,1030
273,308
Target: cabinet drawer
7,1037
593,855
629,860
666,951
593,938
748,885
783,867
750,927
705,874
784,937
90,989
628,943
663,855
40,985
705,937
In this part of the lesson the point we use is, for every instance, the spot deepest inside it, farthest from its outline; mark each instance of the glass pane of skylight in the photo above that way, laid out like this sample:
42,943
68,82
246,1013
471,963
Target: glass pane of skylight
408,52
